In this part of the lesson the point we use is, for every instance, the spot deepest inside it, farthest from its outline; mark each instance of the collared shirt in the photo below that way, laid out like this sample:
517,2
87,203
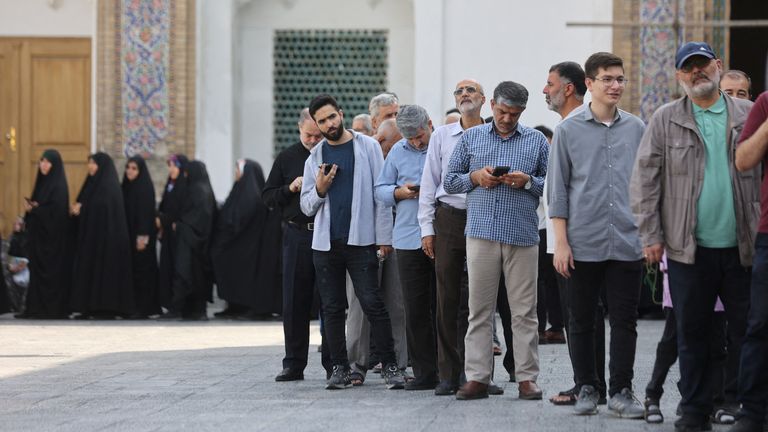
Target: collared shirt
588,184
404,164
716,223
441,145
288,165
501,214
371,223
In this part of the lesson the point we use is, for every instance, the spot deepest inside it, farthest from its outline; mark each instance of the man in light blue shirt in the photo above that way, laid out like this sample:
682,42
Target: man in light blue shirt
398,185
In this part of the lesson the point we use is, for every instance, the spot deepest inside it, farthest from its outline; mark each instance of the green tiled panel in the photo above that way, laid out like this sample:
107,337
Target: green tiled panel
351,65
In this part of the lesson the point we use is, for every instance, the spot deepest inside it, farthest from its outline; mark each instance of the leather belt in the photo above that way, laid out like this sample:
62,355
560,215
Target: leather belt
451,208
307,226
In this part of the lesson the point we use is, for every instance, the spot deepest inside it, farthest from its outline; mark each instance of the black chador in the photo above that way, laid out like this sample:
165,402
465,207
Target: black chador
238,246
103,282
48,241
174,194
192,283
139,199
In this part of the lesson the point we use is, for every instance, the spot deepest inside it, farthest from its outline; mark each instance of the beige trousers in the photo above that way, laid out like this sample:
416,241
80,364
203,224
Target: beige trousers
486,260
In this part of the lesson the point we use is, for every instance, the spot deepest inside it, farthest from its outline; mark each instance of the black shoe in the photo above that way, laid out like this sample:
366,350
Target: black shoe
495,390
512,378
692,423
170,316
422,383
289,374
339,378
746,424
201,316
446,388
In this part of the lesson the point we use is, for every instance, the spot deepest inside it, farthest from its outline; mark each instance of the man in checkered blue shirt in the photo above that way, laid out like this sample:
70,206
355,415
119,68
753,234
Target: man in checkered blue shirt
501,167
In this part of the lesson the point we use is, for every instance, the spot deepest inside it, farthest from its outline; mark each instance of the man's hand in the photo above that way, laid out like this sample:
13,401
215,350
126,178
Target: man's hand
295,185
75,209
484,177
384,251
323,182
404,193
653,253
428,246
516,179
563,259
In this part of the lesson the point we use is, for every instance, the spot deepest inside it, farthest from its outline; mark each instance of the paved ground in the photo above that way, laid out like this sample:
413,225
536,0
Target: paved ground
149,376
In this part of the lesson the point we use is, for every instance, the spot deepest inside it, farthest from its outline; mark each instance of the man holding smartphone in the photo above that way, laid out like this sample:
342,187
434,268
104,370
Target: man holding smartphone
398,186
502,235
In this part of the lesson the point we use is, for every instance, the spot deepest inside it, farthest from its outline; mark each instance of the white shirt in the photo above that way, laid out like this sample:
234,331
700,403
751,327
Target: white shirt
441,145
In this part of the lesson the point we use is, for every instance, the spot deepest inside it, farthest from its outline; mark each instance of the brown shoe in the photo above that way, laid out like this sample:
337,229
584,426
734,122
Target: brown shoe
554,336
529,390
472,390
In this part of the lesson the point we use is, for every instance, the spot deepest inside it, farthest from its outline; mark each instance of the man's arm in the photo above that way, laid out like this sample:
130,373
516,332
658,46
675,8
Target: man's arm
754,137
275,193
457,179
310,201
386,184
383,214
645,185
430,179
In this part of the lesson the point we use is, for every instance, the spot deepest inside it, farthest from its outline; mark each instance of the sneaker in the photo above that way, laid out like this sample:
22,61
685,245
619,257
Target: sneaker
446,388
586,403
691,423
394,378
626,405
746,424
339,378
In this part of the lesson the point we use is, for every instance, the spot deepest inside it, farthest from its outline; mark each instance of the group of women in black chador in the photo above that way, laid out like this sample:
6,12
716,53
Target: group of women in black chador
98,257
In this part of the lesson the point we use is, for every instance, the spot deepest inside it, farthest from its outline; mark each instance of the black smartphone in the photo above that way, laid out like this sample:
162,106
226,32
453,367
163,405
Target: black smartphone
414,188
500,171
327,169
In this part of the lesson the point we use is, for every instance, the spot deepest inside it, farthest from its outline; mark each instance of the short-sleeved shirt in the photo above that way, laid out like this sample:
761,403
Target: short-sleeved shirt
340,192
757,116
715,223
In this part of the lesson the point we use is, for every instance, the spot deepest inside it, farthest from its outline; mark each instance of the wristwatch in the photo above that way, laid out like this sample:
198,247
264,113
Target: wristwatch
528,184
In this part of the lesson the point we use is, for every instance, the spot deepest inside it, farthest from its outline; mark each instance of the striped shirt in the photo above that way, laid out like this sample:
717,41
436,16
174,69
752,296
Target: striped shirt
501,214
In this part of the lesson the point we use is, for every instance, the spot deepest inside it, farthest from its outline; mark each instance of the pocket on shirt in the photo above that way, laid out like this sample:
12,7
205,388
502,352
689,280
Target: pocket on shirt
680,155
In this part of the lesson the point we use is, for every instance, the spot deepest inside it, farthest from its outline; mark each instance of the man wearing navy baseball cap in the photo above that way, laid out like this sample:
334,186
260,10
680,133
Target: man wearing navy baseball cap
690,202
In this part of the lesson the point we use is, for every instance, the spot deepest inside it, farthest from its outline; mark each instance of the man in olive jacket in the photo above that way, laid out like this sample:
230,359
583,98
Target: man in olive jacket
689,200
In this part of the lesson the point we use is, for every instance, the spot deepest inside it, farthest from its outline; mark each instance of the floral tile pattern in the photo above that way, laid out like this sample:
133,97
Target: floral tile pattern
144,48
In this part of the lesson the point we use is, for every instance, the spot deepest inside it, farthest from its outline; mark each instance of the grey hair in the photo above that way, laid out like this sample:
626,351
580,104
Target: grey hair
380,100
411,118
304,116
511,94
367,124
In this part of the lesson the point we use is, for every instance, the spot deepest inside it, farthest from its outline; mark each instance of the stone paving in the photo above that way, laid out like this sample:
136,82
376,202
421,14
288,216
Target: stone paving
219,376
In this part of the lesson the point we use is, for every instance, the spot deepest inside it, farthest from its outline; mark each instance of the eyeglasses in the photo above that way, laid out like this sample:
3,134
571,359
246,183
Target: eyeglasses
468,89
608,81
699,62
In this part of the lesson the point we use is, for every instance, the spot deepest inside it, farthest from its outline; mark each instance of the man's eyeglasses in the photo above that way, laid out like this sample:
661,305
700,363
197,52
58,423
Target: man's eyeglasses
698,62
608,81
468,89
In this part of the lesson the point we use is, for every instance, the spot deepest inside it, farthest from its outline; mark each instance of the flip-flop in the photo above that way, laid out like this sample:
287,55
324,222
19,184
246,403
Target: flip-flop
563,398
356,378
653,414
724,417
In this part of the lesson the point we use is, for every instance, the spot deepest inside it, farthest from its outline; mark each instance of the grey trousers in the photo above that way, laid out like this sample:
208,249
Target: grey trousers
358,328
486,260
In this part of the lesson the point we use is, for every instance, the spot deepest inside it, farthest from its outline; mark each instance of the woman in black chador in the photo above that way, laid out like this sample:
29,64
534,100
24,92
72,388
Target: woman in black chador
193,282
174,194
102,285
139,199
237,245
48,235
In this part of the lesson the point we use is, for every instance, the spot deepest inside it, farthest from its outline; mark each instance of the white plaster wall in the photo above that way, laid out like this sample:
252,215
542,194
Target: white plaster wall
38,18
255,25
494,41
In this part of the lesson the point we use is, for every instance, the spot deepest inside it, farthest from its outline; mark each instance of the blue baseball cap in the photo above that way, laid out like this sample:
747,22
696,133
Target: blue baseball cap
691,49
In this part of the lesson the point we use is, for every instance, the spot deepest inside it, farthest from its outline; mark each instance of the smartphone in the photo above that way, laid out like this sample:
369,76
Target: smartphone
500,171
327,169
414,188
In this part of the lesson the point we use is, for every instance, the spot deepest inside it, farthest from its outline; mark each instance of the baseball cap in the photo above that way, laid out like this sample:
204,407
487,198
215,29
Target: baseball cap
691,49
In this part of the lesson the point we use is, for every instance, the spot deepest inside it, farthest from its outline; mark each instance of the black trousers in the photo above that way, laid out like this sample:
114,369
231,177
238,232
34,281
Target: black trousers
547,296
417,279
666,356
502,305
298,296
562,285
622,291
694,289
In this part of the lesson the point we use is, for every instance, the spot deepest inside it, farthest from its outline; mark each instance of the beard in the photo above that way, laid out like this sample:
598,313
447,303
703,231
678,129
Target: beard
333,134
703,88
555,101
467,107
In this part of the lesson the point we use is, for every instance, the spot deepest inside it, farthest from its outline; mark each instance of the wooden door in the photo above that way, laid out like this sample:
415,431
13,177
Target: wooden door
52,109
9,129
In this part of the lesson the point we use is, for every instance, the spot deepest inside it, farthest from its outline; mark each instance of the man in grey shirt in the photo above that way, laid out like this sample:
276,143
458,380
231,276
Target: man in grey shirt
596,239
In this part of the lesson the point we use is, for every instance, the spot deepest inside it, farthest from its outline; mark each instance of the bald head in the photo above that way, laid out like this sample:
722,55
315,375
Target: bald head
387,135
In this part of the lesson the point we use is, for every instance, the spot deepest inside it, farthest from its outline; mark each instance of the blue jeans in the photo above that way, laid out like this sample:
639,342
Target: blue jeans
694,289
753,377
362,264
